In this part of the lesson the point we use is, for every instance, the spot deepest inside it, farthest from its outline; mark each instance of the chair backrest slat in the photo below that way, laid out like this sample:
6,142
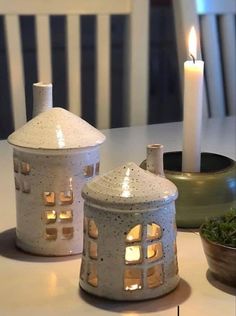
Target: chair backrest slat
64,7
43,40
228,40
103,45
213,67
215,6
73,38
16,73
136,63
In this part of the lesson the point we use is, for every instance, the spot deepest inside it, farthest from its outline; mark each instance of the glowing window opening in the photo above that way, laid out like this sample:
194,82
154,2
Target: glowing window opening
66,216
25,168
154,251
66,197
155,276
49,198
93,249
133,254
132,279
134,234
50,216
88,171
92,277
154,231
92,229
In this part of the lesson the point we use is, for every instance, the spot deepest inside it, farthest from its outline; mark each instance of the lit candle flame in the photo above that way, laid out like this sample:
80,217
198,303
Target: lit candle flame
192,44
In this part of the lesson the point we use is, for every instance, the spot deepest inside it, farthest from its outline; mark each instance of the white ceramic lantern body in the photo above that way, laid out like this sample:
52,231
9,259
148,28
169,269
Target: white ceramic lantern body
129,235
48,184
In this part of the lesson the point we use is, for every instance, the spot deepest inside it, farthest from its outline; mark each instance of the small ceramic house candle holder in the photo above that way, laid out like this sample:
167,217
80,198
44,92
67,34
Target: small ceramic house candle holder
54,155
129,235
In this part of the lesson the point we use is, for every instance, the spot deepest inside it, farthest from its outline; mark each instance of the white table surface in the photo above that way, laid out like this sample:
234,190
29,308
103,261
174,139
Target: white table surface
38,286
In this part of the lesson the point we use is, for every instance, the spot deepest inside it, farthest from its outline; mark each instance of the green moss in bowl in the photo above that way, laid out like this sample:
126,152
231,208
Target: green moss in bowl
218,237
221,230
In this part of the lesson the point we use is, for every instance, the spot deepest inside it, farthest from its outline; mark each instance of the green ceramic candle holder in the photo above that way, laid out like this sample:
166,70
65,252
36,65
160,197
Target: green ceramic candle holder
210,192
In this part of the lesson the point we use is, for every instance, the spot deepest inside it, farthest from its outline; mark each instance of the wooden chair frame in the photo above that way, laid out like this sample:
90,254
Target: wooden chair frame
136,90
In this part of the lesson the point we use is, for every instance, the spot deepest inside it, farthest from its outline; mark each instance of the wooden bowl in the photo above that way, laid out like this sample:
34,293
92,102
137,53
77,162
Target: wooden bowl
221,260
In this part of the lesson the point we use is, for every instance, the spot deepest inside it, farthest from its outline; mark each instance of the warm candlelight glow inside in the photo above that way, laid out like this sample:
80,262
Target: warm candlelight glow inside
50,216
132,254
92,276
155,276
92,229
66,216
153,231
134,234
132,279
154,251
93,250
192,43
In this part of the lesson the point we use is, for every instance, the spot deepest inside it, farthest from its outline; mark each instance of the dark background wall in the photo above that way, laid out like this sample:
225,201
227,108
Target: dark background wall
164,93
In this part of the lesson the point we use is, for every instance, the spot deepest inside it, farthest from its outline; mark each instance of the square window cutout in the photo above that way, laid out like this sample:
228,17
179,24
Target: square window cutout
25,187
49,198
92,229
25,168
92,277
154,231
82,270
67,232
66,197
134,234
66,216
16,165
154,251
88,171
51,233
93,249
97,167
155,276
50,216
132,279
133,255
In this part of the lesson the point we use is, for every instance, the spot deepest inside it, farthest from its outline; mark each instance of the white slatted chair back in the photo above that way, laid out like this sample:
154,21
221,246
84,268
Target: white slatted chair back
136,91
215,21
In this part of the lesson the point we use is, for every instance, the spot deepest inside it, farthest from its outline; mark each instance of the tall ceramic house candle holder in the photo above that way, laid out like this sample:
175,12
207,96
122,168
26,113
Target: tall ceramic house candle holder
54,155
129,235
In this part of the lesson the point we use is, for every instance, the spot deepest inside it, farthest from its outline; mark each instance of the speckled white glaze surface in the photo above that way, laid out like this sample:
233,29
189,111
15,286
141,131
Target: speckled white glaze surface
129,185
61,152
42,97
117,202
155,159
56,129
51,173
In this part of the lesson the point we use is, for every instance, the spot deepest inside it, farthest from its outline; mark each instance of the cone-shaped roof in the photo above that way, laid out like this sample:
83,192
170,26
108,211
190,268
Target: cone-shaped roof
129,185
56,128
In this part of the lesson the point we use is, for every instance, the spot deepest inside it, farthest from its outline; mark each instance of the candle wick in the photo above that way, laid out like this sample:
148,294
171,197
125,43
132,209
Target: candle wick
193,58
